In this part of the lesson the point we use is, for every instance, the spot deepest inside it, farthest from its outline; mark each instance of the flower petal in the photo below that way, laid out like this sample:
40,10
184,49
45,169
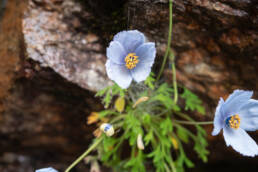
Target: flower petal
218,121
130,39
146,53
240,141
249,116
50,169
141,72
118,73
116,52
235,101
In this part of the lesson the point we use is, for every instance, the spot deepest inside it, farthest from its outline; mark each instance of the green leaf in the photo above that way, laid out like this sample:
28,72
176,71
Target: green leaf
150,81
116,90
104,113
136,163
188,162
107,100
148,137
192,102
166,126
201,144
102,92
182,134
146,118
108,93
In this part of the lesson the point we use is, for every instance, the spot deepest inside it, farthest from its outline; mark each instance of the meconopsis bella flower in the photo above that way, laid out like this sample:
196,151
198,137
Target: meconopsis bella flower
129,58
238,114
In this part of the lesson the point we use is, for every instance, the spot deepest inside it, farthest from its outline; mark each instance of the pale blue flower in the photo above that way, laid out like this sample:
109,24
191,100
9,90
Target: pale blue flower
129,58
50,169
238,114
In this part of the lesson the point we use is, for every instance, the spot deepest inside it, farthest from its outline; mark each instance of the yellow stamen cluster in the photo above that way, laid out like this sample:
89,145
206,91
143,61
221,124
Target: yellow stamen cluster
234,121
131,60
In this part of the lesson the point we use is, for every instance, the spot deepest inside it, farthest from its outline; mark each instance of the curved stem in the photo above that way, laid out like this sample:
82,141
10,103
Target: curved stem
84,154
172,164
193,123
183,115
169,40
117,118
174,76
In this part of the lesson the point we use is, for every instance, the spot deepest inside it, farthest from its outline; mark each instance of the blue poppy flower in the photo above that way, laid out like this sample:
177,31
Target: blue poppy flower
129,58
46,170
238,114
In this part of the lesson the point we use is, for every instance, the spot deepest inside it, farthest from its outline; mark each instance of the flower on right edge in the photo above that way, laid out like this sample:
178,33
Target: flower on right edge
238,114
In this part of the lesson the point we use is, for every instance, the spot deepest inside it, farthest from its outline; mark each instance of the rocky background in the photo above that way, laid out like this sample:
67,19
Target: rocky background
52,62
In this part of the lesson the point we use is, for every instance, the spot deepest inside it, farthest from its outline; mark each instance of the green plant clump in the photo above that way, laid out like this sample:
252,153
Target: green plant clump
161,123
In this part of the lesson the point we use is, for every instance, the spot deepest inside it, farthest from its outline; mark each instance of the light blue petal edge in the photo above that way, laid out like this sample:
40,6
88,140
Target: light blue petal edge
218,121
240,141
116,52
130,39
49,169
141,72
249,116
235,101
146,53
118,73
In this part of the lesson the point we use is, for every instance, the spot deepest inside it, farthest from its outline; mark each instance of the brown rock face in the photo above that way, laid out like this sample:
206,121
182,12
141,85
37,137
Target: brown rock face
10,48
215,42
56,37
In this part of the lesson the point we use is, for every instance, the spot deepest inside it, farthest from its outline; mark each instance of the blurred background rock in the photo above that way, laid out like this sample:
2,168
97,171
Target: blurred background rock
52,56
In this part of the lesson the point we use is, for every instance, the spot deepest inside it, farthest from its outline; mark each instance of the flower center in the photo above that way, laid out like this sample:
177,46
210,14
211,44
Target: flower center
131,60
233,121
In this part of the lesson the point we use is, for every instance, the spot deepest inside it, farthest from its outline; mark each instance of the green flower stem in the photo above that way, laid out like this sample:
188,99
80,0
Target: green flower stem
169,40
131,96
193,123
172,165
188,132
117,118
183,115
93,146
166,167
172,56
162,113
190,120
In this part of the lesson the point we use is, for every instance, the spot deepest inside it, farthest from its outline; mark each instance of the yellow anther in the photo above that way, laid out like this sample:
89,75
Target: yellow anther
234,121
131,60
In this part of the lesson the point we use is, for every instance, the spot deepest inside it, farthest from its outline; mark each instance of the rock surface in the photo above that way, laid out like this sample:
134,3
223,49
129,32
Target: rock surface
215,42
55,37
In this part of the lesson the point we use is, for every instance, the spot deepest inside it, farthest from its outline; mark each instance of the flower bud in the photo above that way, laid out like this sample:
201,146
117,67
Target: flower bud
107,129
140,144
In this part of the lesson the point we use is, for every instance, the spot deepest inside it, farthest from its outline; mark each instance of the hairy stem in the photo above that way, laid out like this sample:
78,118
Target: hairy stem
169,40
172,56
93,146
193,123
172,164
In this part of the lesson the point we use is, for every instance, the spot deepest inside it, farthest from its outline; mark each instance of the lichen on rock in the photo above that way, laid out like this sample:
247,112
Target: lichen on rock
52,38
